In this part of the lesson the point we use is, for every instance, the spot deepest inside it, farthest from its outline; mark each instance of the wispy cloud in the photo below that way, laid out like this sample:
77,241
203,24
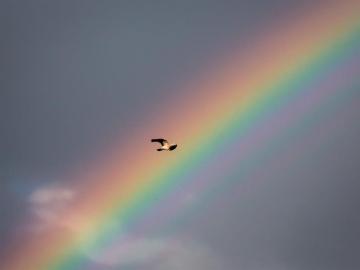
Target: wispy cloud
158,253
132,251
186,255
48,203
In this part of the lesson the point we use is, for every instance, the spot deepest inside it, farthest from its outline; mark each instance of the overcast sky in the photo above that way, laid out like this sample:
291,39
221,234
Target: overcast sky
75,75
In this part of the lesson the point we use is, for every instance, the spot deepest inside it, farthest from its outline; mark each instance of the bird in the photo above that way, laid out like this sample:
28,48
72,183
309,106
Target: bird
165,146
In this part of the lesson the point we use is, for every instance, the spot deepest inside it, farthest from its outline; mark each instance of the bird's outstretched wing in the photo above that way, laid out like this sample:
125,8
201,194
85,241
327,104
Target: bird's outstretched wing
161,141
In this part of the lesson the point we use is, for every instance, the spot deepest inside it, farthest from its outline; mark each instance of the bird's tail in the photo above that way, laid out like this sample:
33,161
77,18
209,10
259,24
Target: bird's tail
172,147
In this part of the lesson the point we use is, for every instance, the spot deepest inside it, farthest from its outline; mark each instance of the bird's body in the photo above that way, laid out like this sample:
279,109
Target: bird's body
165,146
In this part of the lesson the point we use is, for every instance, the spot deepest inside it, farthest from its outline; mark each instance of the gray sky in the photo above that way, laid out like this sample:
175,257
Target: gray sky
75,75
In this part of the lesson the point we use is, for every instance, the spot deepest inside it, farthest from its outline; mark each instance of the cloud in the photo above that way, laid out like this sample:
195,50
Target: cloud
133,251
191,255
53,208
49,203
158,253
46,195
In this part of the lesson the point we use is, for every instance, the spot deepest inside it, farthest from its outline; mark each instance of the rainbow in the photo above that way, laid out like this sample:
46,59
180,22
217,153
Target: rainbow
295,67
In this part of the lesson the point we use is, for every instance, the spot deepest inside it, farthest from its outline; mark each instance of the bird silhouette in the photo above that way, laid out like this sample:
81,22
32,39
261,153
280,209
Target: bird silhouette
165,146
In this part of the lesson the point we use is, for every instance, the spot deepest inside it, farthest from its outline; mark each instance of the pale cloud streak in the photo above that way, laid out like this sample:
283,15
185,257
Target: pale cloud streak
158,253
48,205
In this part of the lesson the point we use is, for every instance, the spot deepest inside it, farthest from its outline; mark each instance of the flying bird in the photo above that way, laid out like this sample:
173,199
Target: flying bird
165,146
